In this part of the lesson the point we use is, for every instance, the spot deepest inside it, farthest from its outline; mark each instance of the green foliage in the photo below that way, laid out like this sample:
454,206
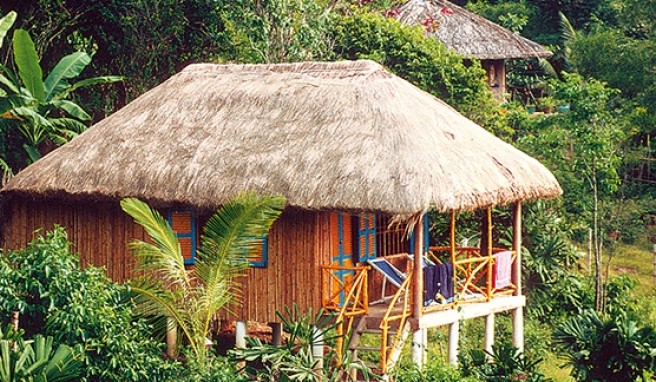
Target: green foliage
35,361
435,370
608,347
600,53
84,310
294,360
425,62
274,31
42,110
191,298
505,363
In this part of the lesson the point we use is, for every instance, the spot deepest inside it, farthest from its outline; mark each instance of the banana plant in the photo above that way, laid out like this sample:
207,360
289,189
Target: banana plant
42,109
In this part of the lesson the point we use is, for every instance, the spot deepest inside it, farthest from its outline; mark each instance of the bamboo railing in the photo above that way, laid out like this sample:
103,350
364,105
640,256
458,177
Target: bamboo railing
392,314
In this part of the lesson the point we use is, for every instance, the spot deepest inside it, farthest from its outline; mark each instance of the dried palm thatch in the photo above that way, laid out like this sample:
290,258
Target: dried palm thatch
467,33
346,135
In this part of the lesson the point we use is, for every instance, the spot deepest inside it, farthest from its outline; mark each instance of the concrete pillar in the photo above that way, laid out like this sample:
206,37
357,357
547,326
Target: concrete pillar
518,329
454,334
317,351
489,332
241,330
276,328
419,348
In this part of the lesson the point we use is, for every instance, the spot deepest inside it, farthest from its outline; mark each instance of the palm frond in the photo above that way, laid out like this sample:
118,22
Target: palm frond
164,255
232,231
154,299
567,30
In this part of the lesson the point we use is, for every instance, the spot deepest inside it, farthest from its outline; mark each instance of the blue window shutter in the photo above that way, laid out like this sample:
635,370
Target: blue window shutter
367,243
183,222
263,261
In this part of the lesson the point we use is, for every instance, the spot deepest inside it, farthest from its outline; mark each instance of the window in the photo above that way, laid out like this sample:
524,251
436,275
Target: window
183,223
367,238
259,257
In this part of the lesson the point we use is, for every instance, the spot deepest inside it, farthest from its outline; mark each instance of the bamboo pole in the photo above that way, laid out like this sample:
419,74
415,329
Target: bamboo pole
518,314
418,274
488,249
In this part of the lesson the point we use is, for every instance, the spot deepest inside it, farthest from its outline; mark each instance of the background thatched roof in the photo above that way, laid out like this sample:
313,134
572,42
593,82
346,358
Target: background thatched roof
346,135
467,33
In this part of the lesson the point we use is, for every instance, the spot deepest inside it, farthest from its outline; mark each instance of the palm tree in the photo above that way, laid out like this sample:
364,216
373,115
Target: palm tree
188,299
42,109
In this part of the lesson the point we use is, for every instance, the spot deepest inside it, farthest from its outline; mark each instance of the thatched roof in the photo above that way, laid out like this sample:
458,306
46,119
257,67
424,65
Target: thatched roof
467,33
346,135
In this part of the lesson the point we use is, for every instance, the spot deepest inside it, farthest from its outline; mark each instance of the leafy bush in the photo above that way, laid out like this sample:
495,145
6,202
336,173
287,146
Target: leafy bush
434,370
506,363
36,361
608,347
294,359
83,309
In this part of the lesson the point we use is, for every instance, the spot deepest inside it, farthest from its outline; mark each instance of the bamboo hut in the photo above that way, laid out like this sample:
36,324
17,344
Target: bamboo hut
472,36
350,146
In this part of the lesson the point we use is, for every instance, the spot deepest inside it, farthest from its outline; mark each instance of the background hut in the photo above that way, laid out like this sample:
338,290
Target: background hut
471,35
347,143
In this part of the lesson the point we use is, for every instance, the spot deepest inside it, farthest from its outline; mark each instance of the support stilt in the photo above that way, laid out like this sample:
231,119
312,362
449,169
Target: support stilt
518,329
241,329
454,334
489,332
276,328
419,347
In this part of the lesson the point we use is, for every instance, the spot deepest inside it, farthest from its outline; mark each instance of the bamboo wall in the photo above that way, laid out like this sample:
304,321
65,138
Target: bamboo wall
299,242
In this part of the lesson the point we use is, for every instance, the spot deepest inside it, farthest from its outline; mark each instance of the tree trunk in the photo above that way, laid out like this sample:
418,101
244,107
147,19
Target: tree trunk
599,285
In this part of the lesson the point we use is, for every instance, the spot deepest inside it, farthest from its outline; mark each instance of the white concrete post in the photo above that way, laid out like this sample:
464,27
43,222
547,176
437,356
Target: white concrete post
419,347
317,351
489,332
454,334
518,329
241,329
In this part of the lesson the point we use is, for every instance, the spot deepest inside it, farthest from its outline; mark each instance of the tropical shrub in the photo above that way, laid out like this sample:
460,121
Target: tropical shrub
434,370
188,299
41,110
35,361
84,310
294,360
607,347
505,363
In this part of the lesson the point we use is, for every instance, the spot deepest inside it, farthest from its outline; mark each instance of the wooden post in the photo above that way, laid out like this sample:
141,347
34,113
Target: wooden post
418,274
276,333
171,338
488,251
241,329
489,333
518,314
454,334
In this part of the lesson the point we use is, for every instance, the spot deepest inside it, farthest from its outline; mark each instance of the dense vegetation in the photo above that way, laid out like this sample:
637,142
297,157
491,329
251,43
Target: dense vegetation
601,78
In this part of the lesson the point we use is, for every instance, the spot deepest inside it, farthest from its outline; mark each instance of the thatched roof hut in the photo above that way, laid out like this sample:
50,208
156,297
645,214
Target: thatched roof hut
467,33
344,135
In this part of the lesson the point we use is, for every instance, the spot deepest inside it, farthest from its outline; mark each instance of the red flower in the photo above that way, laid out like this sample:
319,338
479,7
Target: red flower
428,22
446,11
